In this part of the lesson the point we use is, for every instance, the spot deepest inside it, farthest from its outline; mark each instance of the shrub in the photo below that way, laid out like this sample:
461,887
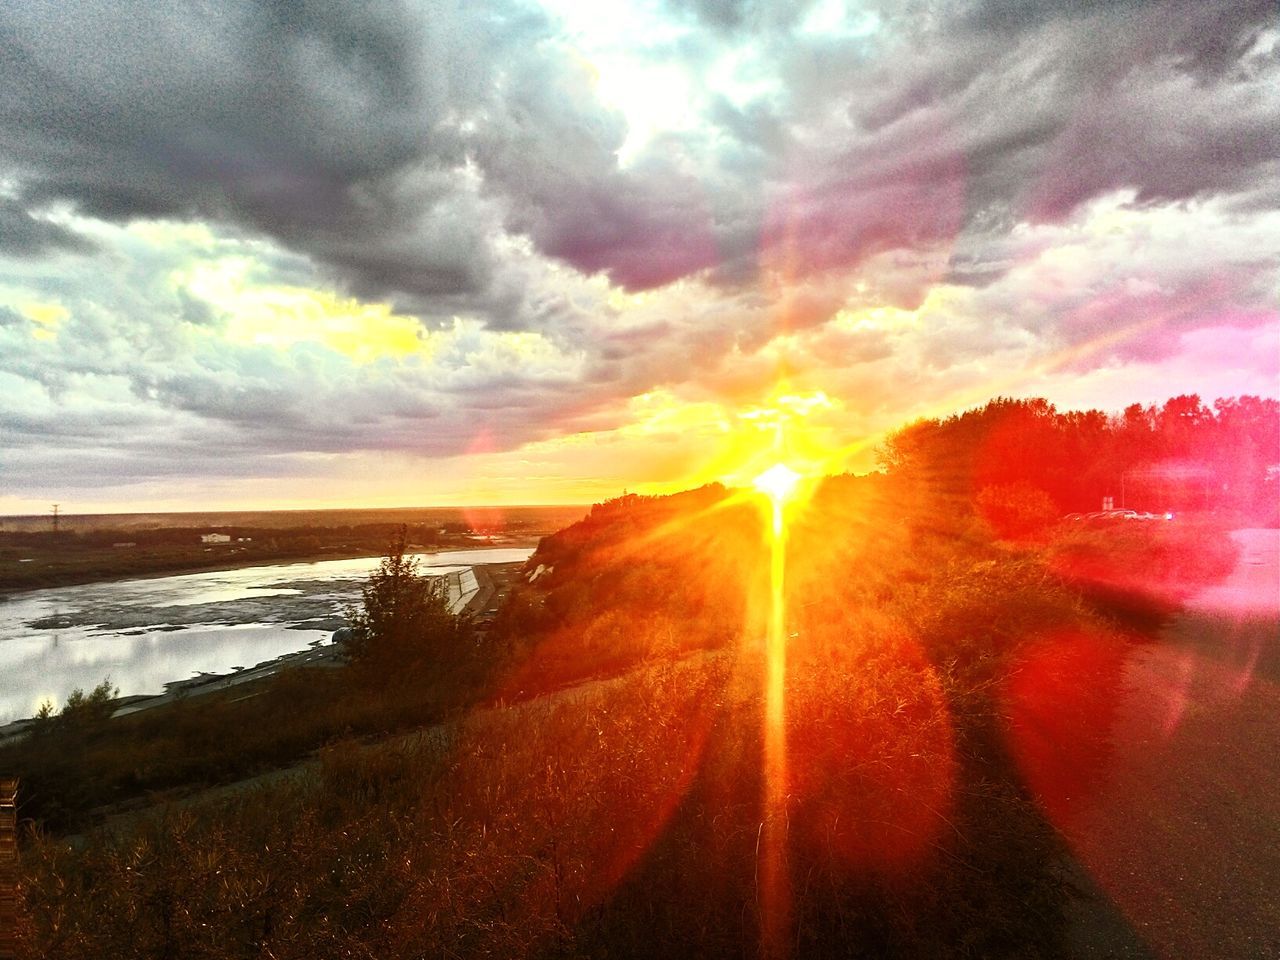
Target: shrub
81,711
1016,510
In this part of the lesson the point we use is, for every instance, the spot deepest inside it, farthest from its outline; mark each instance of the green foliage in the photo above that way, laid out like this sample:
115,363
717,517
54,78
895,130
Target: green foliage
619,821
404,621
69,773
81,711
91,706
1142,570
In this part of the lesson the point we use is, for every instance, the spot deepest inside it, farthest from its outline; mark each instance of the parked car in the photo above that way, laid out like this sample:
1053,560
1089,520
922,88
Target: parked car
1098,515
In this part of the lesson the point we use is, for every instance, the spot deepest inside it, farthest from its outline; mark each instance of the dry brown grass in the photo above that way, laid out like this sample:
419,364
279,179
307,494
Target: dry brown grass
926,667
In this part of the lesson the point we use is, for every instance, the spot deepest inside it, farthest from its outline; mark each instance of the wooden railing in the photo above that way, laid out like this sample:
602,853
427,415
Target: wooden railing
8,865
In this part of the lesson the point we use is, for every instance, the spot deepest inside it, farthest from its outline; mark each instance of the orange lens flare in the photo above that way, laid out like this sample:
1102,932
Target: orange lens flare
776,900
779,483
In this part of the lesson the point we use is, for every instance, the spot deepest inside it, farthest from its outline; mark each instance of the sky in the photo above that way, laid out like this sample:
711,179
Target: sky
259,255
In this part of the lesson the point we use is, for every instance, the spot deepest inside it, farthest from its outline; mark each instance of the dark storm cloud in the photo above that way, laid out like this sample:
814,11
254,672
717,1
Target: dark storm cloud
963,123
720,14
346,132
1190,142
1207,37
735,16
23,235
326,126
550,150
640,238
1158,97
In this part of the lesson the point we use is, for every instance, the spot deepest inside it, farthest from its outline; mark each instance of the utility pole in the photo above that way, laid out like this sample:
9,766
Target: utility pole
55,518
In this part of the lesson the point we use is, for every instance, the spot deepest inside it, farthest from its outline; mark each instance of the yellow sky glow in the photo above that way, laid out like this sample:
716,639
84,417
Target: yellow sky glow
281,316
46,317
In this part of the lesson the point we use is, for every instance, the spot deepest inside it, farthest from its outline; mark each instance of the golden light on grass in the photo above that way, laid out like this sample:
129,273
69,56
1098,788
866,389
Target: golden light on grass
781,485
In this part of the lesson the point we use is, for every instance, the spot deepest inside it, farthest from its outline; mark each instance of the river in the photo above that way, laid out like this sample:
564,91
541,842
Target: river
142,634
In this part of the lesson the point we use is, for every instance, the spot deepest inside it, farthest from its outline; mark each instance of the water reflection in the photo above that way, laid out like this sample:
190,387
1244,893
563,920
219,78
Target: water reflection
144,633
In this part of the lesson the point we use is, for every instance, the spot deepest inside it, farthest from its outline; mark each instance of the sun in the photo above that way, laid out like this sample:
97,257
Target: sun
778,483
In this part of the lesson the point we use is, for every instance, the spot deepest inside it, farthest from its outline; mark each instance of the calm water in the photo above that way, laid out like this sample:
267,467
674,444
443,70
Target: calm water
144,633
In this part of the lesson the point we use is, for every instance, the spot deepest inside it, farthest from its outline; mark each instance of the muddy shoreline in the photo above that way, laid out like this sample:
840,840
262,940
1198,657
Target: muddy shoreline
220,564
492,580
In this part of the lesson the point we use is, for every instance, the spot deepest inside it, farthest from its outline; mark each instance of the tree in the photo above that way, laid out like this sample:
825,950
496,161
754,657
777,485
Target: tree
81,710
404,620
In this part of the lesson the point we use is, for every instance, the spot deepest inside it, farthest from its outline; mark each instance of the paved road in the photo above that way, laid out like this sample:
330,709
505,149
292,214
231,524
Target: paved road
1182,834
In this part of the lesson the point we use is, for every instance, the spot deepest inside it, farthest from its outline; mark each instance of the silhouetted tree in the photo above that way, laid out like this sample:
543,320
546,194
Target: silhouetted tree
404,621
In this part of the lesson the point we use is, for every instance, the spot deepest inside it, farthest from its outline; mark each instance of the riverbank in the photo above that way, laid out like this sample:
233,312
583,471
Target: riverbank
225,557
222,726
320,655
292,604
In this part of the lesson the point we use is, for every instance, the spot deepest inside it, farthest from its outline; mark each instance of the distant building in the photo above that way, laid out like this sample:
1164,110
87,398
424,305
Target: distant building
215,538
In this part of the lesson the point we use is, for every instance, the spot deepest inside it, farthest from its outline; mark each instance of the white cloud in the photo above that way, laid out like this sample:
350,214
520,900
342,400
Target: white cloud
313,242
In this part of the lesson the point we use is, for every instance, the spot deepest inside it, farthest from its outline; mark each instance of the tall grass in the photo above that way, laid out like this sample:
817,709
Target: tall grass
933,677
620,820
70,772
1143,570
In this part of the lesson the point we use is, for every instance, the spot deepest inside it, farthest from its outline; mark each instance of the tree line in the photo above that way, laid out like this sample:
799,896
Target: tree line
1177,456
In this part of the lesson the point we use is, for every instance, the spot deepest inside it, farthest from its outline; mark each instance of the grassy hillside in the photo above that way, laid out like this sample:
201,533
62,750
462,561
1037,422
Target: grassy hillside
945,691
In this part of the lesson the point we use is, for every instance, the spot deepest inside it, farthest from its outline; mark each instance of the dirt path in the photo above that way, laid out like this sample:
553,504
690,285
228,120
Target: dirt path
1182,833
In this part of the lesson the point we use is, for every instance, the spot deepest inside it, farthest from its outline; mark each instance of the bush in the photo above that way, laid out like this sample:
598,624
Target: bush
81,711
1016,510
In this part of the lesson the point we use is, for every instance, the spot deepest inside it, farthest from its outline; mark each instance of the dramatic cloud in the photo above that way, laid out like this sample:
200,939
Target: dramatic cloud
253,240
24,235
